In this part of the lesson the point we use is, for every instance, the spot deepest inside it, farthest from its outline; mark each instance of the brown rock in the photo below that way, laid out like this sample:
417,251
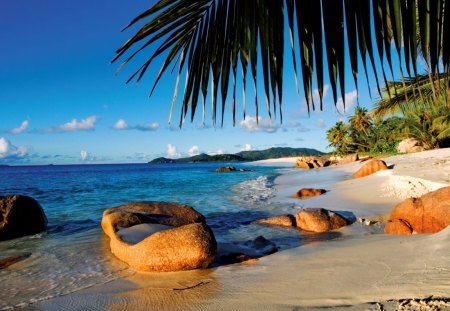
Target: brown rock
397,226
326,163
226,169
349,159
410,145
370,167
283,220
320,220
428,214
20,216
302,164
6,262
189,245
305,193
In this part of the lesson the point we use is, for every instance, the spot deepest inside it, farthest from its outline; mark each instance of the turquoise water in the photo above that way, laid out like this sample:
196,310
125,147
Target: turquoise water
74,253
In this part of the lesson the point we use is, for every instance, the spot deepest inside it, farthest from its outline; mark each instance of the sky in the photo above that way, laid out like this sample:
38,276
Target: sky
61,102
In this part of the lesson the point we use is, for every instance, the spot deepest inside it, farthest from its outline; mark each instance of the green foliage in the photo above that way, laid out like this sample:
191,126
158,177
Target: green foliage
361,134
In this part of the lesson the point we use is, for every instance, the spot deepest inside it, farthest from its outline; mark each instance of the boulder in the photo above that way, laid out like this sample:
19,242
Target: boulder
188,243
283,220
20,216
302,164
327,163
349,159
428,214
226,169
320,220
410,145
370,167
305,193
397,226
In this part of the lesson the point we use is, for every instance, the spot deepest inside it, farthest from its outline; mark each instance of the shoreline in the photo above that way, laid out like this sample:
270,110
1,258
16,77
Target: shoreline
346,273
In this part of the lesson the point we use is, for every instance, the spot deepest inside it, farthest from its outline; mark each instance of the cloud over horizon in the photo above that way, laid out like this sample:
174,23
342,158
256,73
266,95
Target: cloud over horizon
172,152
74,125
193,151
21,129
9,151
121,124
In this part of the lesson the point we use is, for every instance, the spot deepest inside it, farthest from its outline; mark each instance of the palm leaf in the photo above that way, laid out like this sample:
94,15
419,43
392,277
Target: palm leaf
207,39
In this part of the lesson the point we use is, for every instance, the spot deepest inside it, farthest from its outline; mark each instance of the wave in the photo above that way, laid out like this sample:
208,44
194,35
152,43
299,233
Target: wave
254,191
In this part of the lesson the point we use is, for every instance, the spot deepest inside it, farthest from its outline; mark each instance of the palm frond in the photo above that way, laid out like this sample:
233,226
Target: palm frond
208,39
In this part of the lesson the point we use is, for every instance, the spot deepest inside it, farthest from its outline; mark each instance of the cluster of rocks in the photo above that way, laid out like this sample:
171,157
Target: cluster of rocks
312,220
232,169
312,162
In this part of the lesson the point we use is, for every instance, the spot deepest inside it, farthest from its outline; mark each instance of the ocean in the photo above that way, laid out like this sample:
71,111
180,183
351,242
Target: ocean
74,253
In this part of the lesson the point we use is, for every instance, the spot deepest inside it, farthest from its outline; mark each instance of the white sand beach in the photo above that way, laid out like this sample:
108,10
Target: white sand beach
363,266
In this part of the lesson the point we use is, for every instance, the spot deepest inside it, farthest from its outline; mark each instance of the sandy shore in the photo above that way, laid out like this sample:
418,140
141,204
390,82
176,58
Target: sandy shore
348,273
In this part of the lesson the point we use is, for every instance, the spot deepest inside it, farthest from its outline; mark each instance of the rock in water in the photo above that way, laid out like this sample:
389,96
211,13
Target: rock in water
320,220
282,220
20,216
9,261
189,245
428,214
370,167
226,169
305,193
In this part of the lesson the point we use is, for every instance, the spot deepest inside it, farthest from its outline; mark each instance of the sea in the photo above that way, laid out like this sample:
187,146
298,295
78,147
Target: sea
73,254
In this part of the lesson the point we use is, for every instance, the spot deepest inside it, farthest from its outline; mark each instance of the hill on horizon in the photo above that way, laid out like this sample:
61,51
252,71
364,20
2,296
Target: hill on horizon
243,156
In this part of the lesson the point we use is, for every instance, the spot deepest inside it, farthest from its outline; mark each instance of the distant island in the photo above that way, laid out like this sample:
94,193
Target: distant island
243,156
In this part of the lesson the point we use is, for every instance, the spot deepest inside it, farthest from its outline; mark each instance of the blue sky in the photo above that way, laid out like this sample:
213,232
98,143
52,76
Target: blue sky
62,103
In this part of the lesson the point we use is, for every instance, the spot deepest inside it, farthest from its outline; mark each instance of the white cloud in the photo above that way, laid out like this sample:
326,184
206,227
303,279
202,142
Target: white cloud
74,125
249,124
172,151
22,128
219,151
194,150
247,147
147,127
350,101
120,125
321,123
8,150
84,155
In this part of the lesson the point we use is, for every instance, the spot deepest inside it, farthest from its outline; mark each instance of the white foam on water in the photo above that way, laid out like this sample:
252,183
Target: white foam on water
254,191
56,268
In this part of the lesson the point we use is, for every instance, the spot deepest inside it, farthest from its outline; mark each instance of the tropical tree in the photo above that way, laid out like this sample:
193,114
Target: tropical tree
211,39
339,137
431,126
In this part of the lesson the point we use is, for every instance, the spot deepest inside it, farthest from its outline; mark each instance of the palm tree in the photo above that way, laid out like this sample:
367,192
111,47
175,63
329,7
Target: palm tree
419,93
361,120
431,126
339,137
210,39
